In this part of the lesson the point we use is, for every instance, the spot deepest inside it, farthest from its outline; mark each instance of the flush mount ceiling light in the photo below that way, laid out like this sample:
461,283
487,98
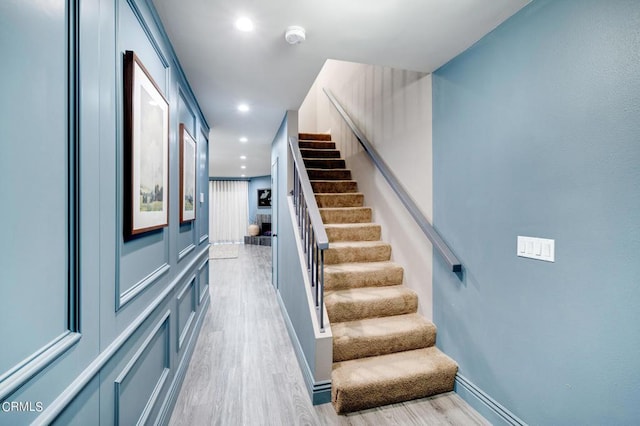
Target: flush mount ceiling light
244,24
295,34
243,107
243,139
243,157
243,167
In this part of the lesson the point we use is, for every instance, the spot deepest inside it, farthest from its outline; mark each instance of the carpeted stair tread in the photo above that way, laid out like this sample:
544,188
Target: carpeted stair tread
370,382
381,336
362,274
357,251
329,174
352,199
334,186
353,232
383,350
317,144
369,302
346,214
324,163
319,153
314,136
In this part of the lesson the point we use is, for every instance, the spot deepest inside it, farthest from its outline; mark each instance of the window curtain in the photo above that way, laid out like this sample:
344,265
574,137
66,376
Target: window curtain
229,212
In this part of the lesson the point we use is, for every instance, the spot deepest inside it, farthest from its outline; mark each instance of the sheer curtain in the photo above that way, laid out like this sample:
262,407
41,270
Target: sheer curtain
229,212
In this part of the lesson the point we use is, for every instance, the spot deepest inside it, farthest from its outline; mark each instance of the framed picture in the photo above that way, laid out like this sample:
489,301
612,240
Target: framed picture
146,150
264,197
187,176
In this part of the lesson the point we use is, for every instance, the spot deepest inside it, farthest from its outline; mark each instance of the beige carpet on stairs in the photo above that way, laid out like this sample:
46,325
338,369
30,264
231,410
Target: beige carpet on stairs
383,351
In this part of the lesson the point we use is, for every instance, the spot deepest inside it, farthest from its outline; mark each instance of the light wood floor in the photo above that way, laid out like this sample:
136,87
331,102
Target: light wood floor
244,370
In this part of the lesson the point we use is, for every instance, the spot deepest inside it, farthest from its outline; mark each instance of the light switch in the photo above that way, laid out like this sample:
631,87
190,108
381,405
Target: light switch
201,197
536,248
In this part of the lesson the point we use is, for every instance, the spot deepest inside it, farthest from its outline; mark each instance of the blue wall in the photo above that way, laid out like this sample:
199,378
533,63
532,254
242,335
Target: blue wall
95,329
256,183
536,132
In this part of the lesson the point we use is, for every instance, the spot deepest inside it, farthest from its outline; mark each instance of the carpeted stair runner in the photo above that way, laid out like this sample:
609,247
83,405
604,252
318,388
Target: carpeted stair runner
383,351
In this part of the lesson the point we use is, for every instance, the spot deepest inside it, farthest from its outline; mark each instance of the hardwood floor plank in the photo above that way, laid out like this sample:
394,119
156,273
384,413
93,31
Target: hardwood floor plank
244,370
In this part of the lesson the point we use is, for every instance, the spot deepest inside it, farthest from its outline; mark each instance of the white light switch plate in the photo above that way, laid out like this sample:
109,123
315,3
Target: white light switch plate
536,248
201,197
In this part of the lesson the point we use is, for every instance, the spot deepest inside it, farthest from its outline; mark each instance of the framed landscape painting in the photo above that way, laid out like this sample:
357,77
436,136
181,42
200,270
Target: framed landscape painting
187,176
146,150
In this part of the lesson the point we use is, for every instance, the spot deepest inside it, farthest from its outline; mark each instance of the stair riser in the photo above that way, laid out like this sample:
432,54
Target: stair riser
329,174
340,200
317,145
320,153
329,163
355,215
362,233
357,254
418,386
334,187
356,310
348,348
314,137
346,280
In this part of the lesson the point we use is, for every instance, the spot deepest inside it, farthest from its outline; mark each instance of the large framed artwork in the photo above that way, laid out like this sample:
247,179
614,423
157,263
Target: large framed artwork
146,151
187,176
264,198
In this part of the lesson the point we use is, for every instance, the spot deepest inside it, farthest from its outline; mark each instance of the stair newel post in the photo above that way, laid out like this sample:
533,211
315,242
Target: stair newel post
321,290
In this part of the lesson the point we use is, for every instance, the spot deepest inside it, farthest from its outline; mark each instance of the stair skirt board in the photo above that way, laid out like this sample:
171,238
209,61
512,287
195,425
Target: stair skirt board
383,351
319,391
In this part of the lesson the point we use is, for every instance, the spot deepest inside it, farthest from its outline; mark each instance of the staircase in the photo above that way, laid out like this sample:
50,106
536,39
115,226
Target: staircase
383,351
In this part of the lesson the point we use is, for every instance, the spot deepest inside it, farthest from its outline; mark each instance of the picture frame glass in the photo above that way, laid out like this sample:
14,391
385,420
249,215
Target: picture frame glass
264,197
188,154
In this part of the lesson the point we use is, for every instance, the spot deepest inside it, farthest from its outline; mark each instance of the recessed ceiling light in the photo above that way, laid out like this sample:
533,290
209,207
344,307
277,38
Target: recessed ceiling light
242,175
243,107
243,167
244,24
243,157
243,139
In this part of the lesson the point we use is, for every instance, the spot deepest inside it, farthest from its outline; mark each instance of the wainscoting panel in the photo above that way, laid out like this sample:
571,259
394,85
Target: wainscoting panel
186,310
136,392
203,281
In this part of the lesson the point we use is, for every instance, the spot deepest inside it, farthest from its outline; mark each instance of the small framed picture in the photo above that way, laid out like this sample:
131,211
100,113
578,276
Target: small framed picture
187,176
264,197
146,150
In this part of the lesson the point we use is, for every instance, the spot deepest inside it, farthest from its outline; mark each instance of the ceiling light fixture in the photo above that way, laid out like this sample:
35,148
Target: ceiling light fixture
243,157
243,108
244,24
242,175
295,34
244,139
243,167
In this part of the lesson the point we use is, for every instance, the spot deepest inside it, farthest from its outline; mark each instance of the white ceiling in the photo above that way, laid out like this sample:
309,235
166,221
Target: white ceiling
226,67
